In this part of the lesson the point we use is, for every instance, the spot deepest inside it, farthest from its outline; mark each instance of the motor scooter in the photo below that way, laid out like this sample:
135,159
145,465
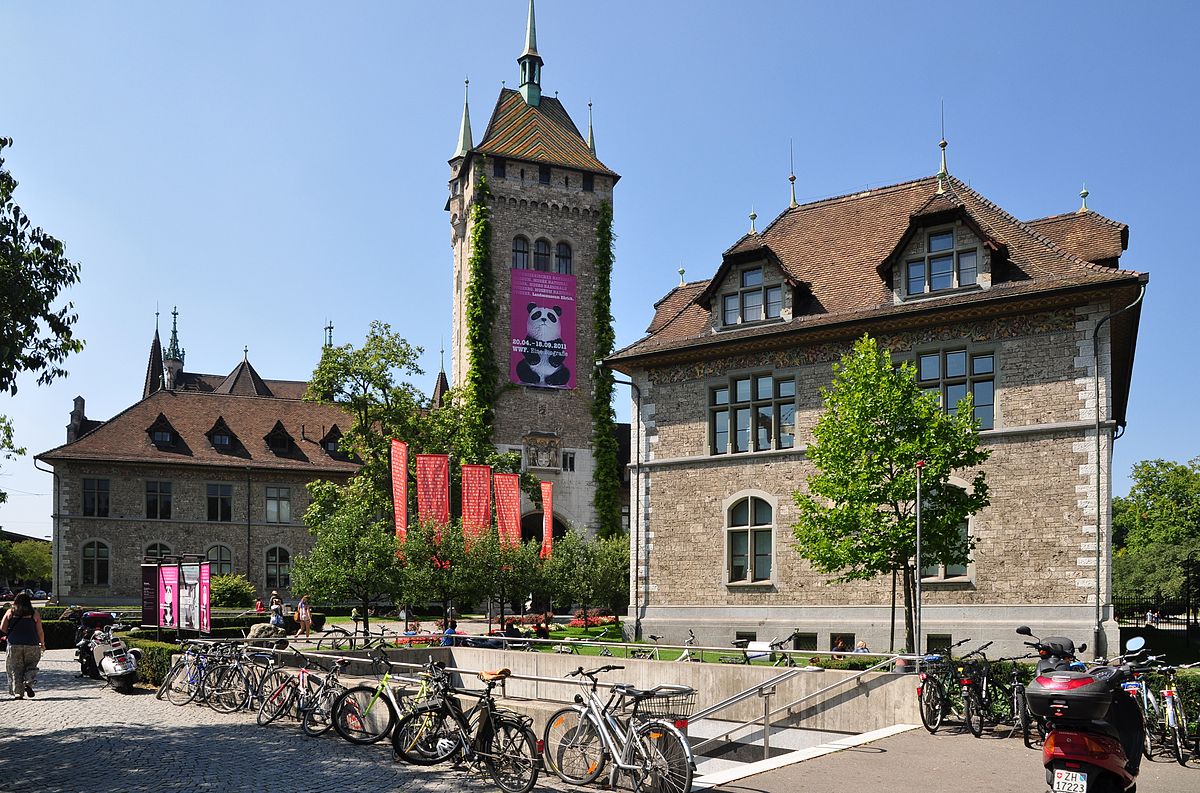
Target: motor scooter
103,656
1093,731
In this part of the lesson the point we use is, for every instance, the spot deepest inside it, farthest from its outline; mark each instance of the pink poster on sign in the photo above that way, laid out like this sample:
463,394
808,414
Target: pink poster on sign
205,598
542,329
168,596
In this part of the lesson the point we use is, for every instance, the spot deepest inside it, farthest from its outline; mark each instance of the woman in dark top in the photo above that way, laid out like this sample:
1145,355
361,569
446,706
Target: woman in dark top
23,627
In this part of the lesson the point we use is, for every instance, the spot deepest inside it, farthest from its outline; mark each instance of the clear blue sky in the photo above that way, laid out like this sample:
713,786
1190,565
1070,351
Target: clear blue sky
268,166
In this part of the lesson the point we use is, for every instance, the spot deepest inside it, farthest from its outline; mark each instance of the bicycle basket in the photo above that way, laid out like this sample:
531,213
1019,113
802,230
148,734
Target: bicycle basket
668,705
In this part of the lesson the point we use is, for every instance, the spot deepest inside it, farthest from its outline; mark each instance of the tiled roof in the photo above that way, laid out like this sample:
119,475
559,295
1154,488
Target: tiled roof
1089,235
244,381
542,133
192,414
835,247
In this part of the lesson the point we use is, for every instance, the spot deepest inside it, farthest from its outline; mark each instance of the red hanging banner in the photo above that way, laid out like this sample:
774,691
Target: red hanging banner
508,507
400,487
476,500
433,488
547,518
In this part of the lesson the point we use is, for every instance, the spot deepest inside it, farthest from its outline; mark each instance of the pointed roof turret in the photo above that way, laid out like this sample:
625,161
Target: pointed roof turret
154,368
531,64
465,143
174,351
591,136
243,381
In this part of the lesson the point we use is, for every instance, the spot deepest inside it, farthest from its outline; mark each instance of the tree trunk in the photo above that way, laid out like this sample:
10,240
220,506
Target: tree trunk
892,635
909,596
366,615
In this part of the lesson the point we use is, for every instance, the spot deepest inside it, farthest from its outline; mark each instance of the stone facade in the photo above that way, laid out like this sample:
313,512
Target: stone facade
128,533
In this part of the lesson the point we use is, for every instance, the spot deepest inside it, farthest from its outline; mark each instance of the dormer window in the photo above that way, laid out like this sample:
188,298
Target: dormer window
754,301
221,441
332,441
278,440
162,434
943,267
221,437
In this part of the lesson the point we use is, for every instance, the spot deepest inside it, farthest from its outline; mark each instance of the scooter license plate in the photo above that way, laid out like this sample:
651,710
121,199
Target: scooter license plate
1069,782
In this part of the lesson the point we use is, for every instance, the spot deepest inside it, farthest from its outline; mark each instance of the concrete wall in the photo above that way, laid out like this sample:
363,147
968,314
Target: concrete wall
878,700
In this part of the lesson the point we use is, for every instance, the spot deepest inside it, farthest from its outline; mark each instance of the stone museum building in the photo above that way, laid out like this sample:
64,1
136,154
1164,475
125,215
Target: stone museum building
214,465
730,372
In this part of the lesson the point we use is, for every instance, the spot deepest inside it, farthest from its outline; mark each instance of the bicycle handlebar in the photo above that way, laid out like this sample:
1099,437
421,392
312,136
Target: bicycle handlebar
979,650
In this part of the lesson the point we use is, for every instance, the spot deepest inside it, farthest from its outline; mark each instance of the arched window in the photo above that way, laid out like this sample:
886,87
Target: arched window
541,255
279,568
520,259
95,563
562,258
157,550
220,560
749,540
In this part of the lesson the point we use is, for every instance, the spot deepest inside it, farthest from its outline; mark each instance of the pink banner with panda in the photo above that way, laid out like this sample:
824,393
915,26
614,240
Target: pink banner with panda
542,329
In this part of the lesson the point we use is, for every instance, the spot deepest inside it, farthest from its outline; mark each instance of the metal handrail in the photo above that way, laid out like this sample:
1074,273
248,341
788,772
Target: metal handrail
742,696
765,719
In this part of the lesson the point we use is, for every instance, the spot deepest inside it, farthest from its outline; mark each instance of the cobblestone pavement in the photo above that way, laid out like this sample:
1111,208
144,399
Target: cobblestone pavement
78,735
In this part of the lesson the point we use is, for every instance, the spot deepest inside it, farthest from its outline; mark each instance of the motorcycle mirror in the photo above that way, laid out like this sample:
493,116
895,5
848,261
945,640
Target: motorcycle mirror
1134,644
1081,648
1024,630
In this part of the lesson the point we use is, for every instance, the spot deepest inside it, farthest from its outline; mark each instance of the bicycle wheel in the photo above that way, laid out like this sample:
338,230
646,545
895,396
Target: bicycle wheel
329,635
276,701
665,764
973,712
1152,722
510,755
227,687
932,704
1023,715
426,738
183,685
317,718
363,715
572,748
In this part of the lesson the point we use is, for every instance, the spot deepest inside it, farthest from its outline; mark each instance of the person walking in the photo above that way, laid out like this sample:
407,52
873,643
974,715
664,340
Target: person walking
304,617
26,643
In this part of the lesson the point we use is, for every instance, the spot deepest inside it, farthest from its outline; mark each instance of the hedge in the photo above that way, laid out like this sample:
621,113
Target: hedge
156,659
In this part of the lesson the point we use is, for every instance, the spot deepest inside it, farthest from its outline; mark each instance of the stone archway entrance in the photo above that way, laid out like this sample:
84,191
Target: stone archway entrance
531,527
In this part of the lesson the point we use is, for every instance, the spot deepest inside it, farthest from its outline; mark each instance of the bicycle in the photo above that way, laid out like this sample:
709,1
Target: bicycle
785,658
646,653
338,638
366,714
645,744
499,740
934,685
311,700
1174,726
1139,689
688,644
237,682
186,680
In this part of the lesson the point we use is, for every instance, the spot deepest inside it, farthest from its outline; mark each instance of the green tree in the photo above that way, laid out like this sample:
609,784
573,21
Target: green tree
858,518
607,472
35,336
232,591
25,560
610,572
1163,505
354,555
437,567
508,573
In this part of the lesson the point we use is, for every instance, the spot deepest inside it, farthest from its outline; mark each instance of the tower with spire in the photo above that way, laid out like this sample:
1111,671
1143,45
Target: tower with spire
547,189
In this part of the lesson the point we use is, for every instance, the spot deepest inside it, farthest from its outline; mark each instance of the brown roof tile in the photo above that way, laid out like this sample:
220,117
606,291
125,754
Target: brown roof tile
192,414
544,133
835,247
1089,235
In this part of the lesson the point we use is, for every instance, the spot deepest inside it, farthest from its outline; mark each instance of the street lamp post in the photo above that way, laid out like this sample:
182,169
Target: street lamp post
917,614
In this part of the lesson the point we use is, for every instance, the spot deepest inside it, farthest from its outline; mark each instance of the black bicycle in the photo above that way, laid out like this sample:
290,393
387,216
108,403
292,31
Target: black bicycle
934,686
501,741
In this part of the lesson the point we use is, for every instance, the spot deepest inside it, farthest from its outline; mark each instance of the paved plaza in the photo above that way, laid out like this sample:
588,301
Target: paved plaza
77,735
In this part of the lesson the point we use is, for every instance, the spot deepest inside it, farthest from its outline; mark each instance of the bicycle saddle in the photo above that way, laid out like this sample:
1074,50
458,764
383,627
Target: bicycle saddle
498,674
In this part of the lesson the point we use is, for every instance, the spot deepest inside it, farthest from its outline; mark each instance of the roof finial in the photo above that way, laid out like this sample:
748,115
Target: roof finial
591,137
442,353
246,353
156,318
1083,194
465,140
531,32
792,177
753,217
681,271
943,174
329,333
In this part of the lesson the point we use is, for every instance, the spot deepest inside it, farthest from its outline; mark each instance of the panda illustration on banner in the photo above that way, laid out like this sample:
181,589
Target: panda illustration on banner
544,353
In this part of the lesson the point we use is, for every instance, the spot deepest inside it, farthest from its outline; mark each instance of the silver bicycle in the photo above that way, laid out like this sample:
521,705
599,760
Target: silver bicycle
634,730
